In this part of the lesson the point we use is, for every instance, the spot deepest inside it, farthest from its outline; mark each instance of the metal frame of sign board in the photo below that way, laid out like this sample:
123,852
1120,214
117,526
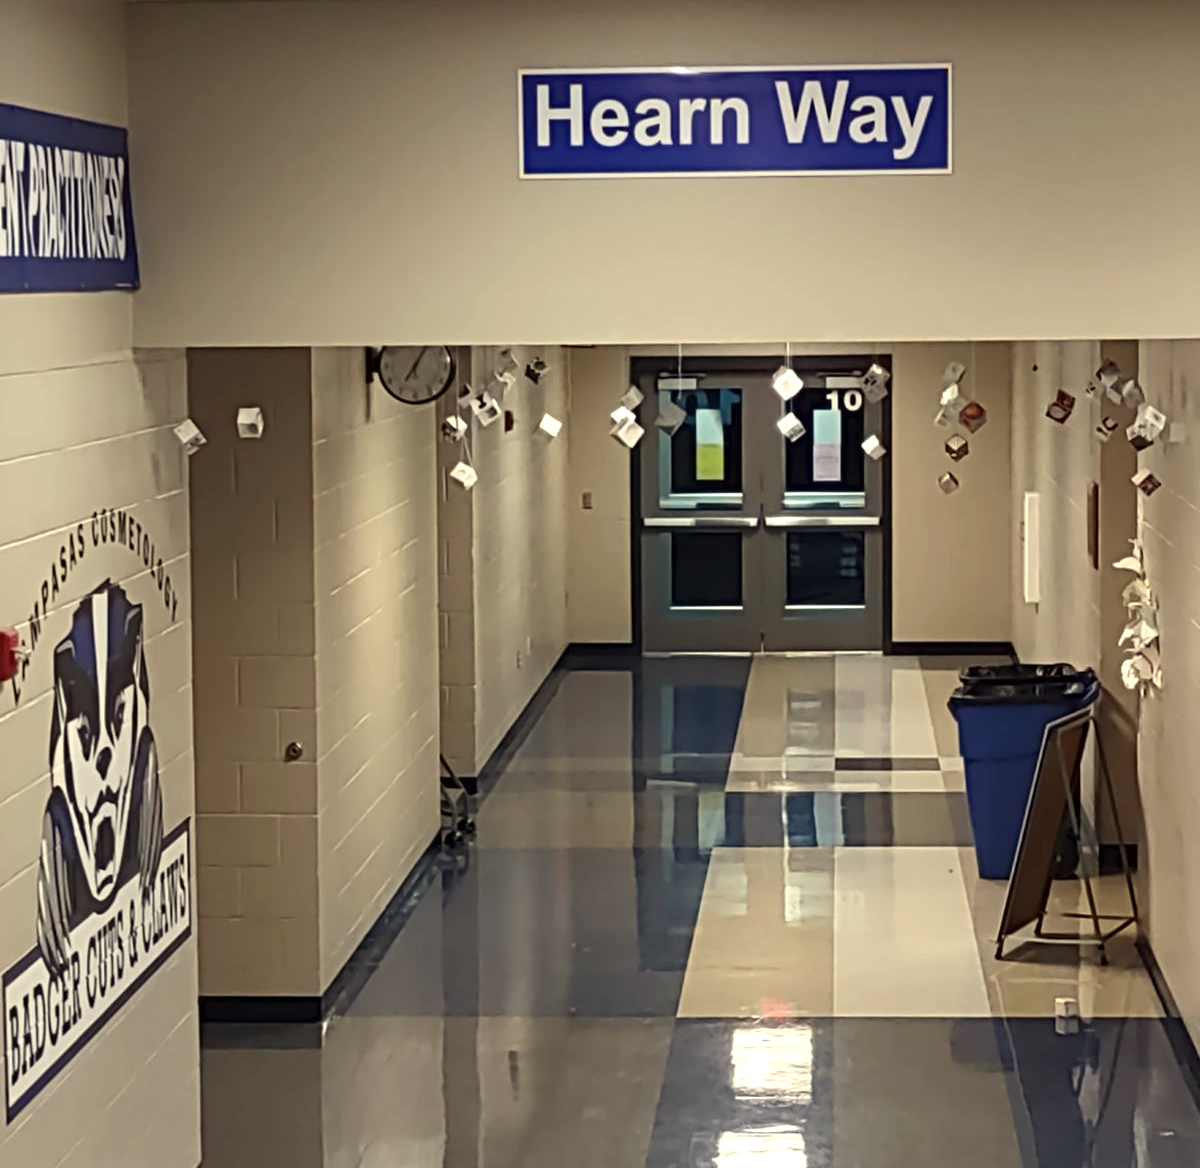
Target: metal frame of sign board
1026,901
688,69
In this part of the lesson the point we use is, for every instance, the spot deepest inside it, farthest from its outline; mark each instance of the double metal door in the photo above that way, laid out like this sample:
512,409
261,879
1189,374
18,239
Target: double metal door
750,540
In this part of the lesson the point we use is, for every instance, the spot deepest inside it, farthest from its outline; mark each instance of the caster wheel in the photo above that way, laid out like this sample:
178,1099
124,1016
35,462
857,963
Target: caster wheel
452,839
468,826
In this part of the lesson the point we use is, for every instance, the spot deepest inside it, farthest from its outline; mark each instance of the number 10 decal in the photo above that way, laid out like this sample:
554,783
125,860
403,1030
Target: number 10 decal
852,400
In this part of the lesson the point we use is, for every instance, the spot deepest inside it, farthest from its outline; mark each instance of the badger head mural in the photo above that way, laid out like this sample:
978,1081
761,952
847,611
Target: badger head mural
103,820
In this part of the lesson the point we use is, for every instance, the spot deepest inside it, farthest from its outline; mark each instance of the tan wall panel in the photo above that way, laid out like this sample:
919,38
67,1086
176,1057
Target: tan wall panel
262,223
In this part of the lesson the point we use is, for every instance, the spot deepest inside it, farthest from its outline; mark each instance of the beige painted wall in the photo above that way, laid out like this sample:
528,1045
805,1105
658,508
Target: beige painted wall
1058,462
1169,737
262,223
374,470
87,426
950,560
599,591
252,555
503,557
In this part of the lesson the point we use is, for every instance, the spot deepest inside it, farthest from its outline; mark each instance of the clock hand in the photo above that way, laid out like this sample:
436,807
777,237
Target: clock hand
420,354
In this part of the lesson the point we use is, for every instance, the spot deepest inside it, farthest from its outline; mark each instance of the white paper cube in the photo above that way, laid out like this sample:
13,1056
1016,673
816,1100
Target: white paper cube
190,436
944,419
620,417
790,427
501,384
1108,375
670,417
633,398
1131,393
953,374
874,383
454,428
250,422
786,383
628,433
953,399
873,448
508,363
550,425
1146,482
948,483
1146,427
464,475
485,407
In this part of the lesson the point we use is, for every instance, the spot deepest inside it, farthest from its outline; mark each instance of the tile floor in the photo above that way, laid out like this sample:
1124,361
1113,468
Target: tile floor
720,914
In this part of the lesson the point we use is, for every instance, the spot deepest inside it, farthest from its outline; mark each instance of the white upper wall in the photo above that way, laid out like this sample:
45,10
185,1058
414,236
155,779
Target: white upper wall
345,173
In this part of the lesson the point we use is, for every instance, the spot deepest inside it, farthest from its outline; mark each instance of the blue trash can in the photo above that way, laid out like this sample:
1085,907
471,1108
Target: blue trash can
1001,721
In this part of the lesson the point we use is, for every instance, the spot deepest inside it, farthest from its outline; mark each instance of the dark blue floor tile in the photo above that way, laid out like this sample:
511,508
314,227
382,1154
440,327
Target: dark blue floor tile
532,932
846,1093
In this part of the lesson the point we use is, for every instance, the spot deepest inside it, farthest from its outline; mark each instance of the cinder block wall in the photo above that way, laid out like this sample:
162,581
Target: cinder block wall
314,557
375,476
255,690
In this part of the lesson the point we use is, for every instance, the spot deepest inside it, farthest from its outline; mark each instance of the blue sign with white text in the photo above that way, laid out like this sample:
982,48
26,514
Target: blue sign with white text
801,120
66,213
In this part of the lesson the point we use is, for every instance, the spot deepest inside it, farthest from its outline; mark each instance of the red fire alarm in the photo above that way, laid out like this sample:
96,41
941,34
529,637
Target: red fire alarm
11,654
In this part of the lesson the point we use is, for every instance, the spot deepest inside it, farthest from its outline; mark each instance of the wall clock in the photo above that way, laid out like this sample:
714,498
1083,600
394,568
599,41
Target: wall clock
413,374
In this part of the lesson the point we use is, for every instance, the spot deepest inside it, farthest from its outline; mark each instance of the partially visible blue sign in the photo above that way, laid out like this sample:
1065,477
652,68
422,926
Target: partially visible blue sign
66,215
801,120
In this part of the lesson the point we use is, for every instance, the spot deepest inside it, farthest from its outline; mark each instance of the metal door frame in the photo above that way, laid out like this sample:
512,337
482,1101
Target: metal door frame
750,368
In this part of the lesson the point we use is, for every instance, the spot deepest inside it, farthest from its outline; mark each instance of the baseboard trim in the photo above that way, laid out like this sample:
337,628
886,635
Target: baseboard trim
599,654
952,649
1182,1044
349,980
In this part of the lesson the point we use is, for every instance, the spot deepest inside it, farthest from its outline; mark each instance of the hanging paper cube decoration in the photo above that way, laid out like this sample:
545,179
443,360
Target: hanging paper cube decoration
873,448
874,383
948,483
1146,482
1131,393
957,447
972,417
1107,428
670,417
550,425
1059,410
508,362
1146,427
633,398
1108,374
953,399
786,383
485,407
536,370
454,428
464,475
790,427
953,374
628,433
944,419
190,436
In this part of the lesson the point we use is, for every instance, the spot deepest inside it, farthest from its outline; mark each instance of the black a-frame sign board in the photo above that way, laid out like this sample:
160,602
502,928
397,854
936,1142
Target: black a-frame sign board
1055,796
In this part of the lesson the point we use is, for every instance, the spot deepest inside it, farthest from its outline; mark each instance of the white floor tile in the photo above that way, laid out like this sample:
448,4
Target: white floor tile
904,939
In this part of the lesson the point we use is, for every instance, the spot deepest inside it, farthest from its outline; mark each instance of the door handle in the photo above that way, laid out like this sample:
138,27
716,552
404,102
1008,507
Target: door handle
822,520
695,521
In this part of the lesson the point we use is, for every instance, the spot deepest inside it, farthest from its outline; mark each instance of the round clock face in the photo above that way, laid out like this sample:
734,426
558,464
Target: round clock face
416,374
